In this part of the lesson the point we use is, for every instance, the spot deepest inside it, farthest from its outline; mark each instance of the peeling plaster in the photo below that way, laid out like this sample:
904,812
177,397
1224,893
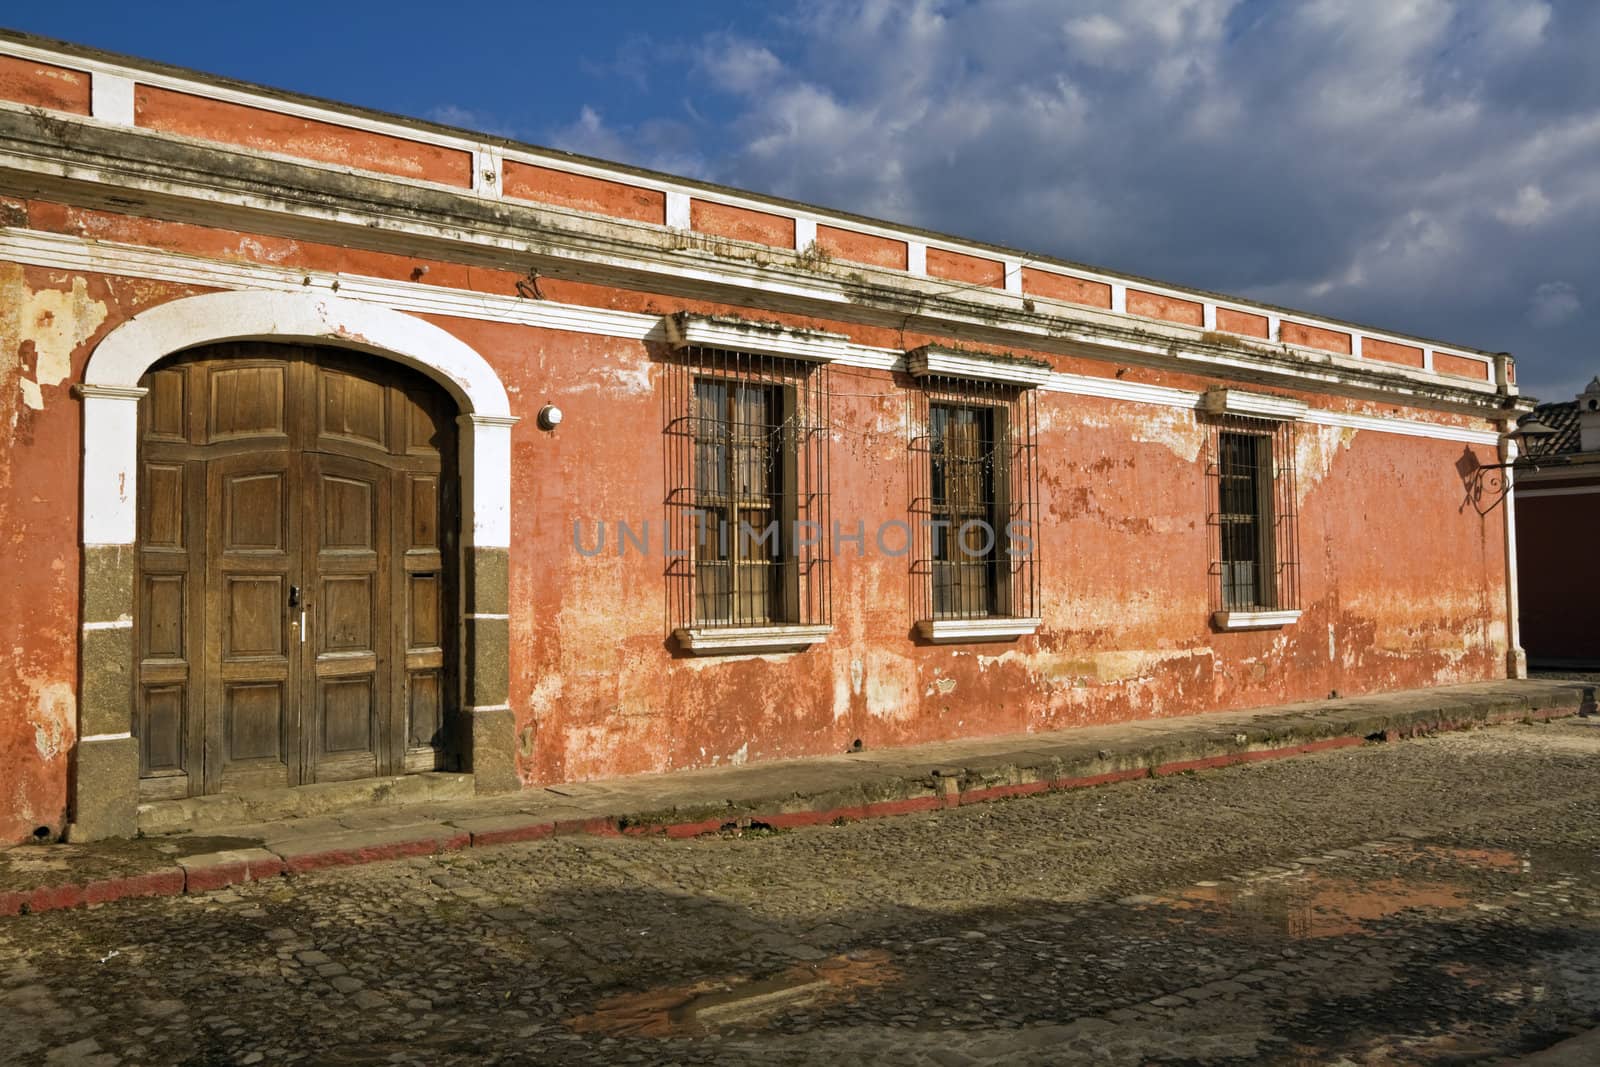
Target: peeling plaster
1315,449
46,325
891,685
56,711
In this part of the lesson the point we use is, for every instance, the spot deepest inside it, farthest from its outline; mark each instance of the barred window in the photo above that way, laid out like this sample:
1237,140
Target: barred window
747,501
1253,525
973,506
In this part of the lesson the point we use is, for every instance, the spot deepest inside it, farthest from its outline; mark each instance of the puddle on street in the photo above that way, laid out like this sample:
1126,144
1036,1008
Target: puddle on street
1309,903
730,1001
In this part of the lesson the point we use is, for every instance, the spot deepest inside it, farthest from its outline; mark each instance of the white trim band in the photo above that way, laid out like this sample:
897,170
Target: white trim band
71,253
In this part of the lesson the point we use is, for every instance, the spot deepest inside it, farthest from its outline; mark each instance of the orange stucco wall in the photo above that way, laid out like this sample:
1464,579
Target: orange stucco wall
960,267
1065,287
1242,322
584,193
1401,586
44,85
862,247
743,224
272,131
1156,306
1390,352
1445,363
1298,333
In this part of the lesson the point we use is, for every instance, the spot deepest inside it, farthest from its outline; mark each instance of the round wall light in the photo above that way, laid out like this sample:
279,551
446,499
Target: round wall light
549,417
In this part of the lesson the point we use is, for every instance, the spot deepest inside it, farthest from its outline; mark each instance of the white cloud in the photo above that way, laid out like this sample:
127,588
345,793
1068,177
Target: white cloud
467,119
739,66
1553,303
1382,160
1531,206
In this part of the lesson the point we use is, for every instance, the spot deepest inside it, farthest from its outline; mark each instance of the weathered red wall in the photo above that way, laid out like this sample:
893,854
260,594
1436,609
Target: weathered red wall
44,85
272,131
1402,586
1557,567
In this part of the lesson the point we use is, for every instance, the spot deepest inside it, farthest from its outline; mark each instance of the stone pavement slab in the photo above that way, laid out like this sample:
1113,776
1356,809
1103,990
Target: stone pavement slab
780,794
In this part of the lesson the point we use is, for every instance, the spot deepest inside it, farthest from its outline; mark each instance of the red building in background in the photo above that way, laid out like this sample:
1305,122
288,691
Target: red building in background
1558,533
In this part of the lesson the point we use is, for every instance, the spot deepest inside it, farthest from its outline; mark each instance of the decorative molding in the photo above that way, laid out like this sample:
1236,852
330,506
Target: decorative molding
1013,277
73,253
732,640
111,98
1254,620
805,233
678,215
917,259
966,631
1251,405
952,363
760,338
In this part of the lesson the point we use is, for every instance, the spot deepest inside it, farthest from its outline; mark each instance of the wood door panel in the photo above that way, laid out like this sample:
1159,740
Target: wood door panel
162,731
162,493
297,580
347,534
248,401
250,560
348,515
256,517
254,713
351,408
347,613
253,618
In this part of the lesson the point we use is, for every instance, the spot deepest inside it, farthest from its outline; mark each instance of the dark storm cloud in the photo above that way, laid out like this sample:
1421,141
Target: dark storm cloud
1421,165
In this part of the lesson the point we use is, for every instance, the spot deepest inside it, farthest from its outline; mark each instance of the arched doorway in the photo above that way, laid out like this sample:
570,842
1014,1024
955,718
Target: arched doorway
294,613
109,761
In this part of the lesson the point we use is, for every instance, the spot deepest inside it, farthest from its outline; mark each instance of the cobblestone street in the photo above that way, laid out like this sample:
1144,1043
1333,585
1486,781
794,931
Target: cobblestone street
1430,901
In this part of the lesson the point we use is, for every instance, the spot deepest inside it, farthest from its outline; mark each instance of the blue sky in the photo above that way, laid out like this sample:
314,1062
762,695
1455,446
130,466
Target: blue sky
1421,165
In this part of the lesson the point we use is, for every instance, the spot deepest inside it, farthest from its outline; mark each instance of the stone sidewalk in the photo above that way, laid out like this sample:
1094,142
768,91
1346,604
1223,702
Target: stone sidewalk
779,794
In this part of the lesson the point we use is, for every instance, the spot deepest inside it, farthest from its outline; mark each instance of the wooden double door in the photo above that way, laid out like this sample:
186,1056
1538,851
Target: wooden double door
297,554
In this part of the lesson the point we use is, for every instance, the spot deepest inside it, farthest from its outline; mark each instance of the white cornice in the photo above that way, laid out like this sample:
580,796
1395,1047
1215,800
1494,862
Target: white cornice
1252,405
708,267
1254,620
736,640
930,360
71,253
968,631
759,338
111,79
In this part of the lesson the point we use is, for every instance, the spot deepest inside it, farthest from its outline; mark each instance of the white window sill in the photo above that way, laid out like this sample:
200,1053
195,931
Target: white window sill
733,640
951,631
1254,620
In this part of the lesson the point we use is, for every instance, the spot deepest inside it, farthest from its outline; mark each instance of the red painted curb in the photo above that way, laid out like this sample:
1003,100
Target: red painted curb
172,881
531,832
222,875
389,850
1255,756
